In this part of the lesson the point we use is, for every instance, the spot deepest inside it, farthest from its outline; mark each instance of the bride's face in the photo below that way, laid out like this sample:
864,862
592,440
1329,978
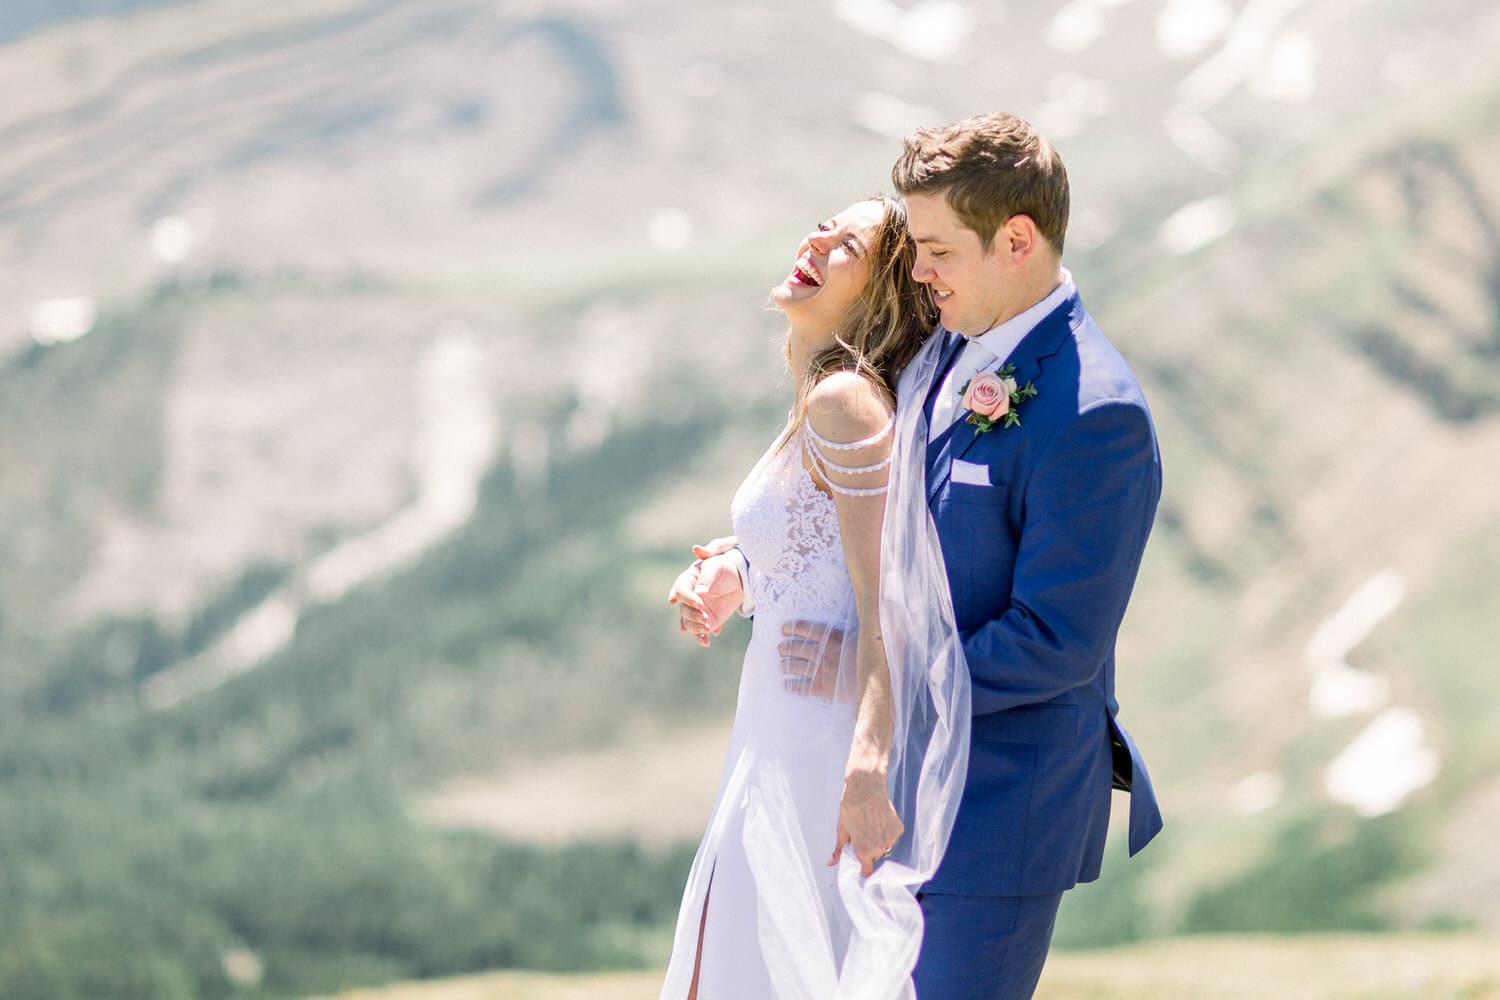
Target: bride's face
831,269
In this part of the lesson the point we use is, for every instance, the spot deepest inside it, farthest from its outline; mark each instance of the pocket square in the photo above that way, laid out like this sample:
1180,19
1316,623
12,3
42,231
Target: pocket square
970,473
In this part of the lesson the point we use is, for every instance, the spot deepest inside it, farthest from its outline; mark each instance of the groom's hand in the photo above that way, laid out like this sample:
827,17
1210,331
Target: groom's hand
867,819
810,658
715,546
707,593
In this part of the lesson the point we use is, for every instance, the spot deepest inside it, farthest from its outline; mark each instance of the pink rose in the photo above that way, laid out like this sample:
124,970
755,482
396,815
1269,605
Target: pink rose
988,395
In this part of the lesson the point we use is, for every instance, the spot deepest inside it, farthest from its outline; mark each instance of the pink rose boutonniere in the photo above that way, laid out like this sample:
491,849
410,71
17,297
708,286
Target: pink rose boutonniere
995,398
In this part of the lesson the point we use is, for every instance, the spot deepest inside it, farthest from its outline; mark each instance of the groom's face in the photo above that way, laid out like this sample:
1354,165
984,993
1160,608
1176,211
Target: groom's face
973,287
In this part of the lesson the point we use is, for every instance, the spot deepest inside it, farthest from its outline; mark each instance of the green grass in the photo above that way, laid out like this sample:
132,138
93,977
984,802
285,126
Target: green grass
1377,967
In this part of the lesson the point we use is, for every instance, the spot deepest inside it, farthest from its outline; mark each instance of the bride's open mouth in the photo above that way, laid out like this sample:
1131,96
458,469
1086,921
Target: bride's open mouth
805,272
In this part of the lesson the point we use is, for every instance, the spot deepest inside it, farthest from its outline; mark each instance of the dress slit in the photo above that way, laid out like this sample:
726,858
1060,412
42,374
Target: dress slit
702,925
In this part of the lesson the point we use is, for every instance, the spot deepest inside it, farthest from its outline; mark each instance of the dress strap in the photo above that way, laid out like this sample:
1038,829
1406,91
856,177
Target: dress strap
852,445
821,462
848,470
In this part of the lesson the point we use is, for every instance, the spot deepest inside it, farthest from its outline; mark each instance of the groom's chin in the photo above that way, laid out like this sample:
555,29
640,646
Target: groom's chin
952,321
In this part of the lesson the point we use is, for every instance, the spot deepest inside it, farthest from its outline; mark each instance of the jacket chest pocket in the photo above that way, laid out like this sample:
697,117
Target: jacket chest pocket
968,495
979,547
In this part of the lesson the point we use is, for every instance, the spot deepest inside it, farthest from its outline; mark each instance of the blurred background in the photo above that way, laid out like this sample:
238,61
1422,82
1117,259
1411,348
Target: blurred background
367,368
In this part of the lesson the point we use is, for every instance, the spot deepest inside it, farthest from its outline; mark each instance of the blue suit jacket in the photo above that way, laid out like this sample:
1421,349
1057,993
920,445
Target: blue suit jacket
1041,563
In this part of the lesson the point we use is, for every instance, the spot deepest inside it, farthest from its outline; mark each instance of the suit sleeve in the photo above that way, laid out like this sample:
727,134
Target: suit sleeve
1088,510
741,564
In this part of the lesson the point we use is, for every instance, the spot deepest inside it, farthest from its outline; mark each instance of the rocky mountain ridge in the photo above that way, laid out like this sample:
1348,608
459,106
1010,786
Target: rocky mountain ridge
337,343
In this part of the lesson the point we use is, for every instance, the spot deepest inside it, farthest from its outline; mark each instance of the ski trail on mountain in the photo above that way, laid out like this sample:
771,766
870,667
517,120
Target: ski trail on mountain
456,444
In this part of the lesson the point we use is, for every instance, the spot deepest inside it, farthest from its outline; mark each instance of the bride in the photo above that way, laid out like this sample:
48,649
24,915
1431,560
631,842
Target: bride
850,735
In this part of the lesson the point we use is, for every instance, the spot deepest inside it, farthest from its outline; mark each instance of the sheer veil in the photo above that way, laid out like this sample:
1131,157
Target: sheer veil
930,687
824,934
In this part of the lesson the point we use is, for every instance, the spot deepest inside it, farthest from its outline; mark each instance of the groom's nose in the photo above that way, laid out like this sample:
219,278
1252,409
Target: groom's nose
921,270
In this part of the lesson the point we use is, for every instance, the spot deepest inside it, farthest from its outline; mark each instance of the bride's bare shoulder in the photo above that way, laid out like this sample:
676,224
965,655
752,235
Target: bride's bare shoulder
846,407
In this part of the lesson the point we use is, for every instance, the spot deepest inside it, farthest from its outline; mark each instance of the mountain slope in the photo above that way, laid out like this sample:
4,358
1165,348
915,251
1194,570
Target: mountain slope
269,588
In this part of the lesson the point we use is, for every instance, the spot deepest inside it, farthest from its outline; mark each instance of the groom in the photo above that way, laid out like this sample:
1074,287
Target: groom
1042,481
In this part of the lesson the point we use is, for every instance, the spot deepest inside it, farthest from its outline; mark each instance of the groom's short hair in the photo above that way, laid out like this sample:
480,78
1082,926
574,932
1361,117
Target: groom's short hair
989,168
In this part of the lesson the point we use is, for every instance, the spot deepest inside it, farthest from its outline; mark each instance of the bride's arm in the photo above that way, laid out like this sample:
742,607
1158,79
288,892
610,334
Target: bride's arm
849,452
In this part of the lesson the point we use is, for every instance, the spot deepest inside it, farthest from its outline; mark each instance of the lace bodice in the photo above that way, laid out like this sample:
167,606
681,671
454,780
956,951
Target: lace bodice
789,530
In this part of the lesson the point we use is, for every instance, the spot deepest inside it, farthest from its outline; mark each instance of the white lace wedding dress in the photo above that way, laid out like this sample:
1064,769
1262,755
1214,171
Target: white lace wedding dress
774,920
775,821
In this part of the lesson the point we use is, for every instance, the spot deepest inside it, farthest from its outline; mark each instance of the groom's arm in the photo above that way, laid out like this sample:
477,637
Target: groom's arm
1089,507
735,558
740,563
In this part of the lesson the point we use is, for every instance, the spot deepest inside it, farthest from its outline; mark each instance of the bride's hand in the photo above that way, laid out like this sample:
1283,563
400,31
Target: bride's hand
706,593
867,820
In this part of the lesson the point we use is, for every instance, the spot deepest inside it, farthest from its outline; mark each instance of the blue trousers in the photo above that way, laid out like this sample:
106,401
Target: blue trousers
983,947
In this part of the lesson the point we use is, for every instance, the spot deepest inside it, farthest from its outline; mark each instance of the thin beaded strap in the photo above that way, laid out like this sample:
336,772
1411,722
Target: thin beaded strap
853,445
848,491
848,470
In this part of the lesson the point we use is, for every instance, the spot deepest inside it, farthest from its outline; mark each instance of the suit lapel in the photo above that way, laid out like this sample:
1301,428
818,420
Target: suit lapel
950,354
1035,348
935,449
951,444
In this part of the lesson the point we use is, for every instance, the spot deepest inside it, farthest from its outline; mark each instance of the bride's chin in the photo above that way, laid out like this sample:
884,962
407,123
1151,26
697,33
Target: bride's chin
782,297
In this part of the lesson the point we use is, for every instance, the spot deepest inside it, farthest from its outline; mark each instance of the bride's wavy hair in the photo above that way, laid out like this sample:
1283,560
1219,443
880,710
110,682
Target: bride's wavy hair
888,322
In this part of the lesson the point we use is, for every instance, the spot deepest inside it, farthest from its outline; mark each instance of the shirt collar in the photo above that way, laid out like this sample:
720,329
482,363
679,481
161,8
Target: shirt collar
1002,339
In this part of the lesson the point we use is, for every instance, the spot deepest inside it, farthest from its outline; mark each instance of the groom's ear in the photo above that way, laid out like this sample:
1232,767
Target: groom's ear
1018,238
